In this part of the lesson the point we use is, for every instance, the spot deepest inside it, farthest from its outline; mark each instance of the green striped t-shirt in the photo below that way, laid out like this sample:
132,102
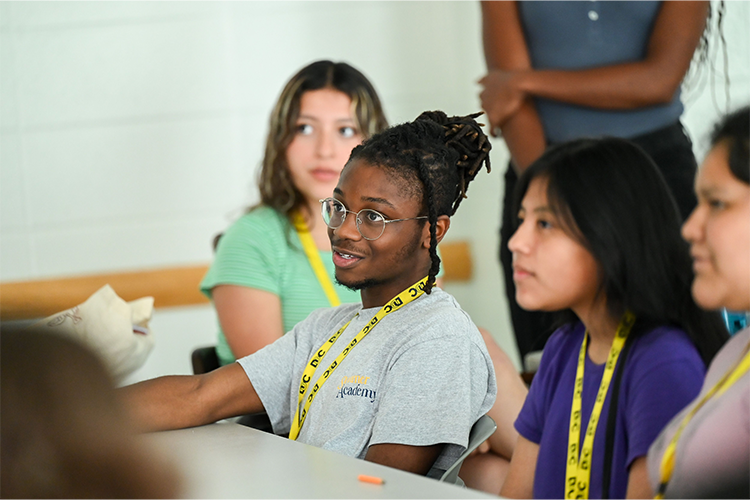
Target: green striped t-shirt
255,252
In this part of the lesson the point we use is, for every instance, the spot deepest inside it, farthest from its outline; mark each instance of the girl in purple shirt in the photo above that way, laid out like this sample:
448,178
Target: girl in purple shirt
598,239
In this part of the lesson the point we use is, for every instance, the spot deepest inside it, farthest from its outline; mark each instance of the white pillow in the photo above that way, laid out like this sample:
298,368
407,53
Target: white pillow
116,330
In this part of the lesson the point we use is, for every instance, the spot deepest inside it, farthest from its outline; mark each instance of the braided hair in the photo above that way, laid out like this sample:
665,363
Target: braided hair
436,157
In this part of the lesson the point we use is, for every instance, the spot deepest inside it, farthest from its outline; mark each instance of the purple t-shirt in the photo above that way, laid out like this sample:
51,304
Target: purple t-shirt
663,373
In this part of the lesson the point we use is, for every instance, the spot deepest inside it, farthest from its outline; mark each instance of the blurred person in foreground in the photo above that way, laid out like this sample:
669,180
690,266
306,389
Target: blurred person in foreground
63,431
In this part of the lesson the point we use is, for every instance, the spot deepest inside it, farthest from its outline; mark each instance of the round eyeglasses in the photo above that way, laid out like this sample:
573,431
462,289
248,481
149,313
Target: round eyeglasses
370,223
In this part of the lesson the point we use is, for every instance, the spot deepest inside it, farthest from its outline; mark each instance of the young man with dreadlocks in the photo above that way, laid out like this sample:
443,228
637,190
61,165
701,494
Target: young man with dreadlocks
409,372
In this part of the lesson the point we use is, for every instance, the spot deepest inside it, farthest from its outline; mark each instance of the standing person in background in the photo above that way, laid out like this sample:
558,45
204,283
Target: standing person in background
273,266
562,70
598,240
705,451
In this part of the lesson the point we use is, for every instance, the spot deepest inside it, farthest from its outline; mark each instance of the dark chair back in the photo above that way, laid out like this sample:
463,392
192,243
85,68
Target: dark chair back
204,360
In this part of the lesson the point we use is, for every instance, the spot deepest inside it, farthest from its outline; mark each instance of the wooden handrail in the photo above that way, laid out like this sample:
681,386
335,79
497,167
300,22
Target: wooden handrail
170,287
456,260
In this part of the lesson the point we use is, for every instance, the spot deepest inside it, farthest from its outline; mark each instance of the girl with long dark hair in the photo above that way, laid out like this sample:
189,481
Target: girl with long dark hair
705,451
598,239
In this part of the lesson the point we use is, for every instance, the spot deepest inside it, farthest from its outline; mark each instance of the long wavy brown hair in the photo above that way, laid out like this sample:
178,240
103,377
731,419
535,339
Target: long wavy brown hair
275,183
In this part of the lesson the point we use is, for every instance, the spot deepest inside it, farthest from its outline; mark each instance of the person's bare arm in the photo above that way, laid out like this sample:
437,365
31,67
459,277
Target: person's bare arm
250,318
176,402
505,50
416,459
520,480
638,483
650,81
510,398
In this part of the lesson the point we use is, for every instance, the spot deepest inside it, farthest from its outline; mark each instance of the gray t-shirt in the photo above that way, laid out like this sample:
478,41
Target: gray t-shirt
421,377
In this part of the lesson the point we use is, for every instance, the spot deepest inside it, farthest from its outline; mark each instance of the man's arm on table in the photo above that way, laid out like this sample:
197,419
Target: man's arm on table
179,401
416,459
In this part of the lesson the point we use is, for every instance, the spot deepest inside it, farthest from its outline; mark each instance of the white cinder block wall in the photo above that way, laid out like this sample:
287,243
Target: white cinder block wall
131,132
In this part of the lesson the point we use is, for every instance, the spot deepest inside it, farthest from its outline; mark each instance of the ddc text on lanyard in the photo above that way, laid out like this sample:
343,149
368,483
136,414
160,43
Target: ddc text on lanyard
400,300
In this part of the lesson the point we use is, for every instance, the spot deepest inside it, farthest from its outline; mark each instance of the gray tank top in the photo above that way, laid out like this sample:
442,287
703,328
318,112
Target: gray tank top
578,35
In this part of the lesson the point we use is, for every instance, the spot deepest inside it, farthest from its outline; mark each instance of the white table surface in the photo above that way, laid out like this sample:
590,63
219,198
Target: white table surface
227,460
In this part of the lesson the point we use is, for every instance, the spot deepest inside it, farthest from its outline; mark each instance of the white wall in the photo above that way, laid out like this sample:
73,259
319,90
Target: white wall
130,132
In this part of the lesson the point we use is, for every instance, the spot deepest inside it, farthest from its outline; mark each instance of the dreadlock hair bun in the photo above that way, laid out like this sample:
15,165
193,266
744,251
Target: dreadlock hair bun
436,157
464,135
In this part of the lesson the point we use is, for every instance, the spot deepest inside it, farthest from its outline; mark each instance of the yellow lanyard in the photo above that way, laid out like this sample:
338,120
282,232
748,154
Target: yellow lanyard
313,256
578,469
395,303
667,460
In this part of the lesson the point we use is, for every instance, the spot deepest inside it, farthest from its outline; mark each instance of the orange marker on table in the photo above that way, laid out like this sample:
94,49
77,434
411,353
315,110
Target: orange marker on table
370,479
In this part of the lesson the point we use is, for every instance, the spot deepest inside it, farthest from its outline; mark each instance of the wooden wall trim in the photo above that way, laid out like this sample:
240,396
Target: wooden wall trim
177,286
456,260
170,287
